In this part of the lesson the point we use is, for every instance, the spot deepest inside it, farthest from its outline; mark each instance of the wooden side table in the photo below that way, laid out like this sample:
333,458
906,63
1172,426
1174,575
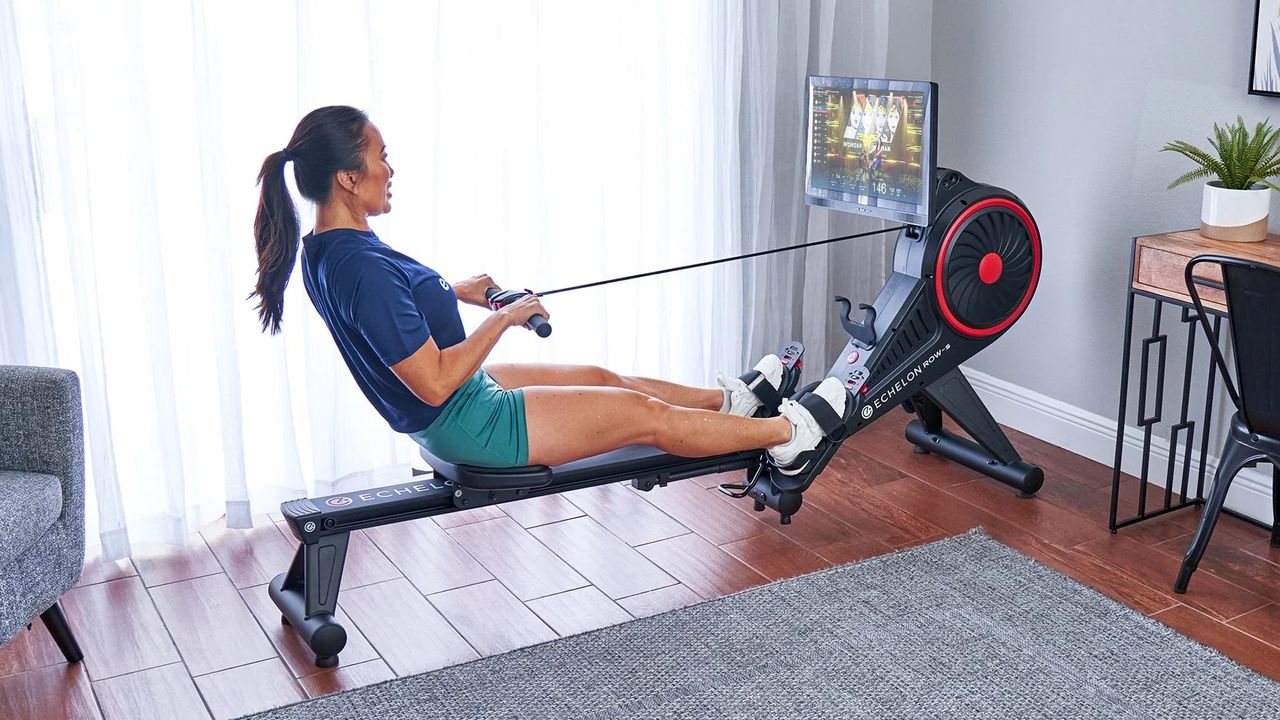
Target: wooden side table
1157,271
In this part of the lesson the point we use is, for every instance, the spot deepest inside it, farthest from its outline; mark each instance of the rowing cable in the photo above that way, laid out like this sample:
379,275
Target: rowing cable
721,260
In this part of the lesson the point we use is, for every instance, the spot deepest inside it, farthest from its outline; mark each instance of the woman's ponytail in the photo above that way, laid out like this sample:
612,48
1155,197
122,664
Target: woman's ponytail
275,230
327,140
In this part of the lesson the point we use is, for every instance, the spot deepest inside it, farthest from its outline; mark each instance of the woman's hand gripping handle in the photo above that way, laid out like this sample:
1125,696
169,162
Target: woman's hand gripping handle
522,307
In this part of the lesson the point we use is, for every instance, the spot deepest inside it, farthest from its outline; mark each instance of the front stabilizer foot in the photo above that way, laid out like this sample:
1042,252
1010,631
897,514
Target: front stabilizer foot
766,493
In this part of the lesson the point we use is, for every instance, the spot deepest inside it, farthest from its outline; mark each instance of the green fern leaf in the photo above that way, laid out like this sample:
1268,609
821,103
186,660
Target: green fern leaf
1193,175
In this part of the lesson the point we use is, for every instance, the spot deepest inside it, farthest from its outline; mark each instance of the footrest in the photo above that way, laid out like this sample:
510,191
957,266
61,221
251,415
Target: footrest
769,396
791,366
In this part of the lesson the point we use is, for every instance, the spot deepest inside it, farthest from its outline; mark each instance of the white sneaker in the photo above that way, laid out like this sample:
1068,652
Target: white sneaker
806,435
741,400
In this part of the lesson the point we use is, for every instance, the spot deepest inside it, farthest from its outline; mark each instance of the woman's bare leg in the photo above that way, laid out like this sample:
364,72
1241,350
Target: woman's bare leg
523,375
570,423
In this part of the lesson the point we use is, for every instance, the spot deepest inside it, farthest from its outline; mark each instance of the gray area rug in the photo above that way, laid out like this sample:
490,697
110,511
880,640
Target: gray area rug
961,628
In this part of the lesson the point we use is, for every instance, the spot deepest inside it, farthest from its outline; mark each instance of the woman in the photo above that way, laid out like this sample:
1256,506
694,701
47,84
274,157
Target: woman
397,326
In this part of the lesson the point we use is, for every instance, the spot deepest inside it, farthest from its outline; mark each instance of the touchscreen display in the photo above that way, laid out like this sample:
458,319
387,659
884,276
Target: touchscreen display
870,147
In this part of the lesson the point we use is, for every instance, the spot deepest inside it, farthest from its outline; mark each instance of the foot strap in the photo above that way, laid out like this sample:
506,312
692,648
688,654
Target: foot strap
831,425
821,411
763,391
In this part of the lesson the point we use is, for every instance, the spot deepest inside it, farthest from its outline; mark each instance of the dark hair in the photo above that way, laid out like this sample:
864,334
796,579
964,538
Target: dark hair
327,140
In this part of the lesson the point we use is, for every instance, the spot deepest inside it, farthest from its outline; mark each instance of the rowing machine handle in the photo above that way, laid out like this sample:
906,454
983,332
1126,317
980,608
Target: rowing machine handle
501,298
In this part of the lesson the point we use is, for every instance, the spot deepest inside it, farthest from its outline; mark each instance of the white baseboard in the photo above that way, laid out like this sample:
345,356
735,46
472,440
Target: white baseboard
1093,436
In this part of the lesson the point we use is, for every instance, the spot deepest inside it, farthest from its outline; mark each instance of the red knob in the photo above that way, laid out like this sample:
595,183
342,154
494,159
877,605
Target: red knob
990,268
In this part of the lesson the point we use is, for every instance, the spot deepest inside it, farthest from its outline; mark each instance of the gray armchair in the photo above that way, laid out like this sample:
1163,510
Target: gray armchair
41,499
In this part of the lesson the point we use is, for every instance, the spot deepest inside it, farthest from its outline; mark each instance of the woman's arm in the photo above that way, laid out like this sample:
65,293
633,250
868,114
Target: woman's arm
433,374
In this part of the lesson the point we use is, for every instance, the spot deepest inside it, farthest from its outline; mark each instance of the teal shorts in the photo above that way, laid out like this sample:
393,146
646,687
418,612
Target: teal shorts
482,424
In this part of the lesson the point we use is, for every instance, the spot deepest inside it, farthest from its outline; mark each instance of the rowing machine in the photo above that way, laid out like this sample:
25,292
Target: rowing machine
957,285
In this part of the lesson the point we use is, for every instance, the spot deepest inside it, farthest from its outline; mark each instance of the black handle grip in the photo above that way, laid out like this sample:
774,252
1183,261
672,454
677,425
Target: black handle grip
501,298
539,325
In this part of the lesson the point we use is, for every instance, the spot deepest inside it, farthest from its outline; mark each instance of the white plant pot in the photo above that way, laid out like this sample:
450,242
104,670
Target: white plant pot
1235,215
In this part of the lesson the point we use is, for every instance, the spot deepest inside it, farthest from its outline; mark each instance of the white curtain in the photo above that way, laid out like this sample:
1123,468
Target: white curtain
546,143
789,295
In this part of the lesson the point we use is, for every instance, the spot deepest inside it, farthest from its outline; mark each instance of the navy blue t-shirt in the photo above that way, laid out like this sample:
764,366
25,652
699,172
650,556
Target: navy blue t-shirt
381,306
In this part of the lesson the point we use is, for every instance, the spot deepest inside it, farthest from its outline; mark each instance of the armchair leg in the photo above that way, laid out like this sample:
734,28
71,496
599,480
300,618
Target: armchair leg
56,622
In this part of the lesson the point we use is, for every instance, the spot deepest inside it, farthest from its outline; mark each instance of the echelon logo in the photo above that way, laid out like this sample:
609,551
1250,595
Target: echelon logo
387,493
867,412
905,381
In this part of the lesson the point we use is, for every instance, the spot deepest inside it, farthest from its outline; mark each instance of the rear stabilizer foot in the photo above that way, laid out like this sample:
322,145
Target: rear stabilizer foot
1019,475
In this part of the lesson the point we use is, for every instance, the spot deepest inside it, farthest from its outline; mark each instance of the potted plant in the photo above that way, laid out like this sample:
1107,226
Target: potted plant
1236,205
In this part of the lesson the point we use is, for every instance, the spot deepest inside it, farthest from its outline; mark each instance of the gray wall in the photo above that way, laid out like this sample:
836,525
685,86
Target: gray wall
1067,105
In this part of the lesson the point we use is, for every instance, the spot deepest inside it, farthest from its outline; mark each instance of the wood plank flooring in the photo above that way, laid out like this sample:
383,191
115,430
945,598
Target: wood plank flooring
189,632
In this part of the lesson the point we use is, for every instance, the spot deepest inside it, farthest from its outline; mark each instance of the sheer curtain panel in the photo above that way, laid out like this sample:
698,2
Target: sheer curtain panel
547,143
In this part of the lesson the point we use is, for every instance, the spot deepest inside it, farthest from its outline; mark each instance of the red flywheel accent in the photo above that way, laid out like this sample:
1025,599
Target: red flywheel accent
990,268
987,268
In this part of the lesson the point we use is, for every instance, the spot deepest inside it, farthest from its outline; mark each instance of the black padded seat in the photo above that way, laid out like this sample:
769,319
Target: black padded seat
635,461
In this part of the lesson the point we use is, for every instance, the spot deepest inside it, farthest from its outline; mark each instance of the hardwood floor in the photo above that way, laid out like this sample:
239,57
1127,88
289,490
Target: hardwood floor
190,632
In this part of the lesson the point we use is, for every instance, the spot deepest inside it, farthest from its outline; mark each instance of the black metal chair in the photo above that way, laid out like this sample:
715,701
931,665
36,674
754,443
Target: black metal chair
1253,306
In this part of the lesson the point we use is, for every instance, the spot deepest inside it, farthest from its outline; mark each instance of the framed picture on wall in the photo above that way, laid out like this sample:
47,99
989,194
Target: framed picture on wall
1264,66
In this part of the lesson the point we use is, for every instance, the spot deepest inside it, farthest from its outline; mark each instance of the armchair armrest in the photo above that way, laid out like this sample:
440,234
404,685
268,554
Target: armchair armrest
42,431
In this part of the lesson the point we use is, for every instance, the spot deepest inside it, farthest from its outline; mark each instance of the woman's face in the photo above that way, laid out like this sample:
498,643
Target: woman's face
373,186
